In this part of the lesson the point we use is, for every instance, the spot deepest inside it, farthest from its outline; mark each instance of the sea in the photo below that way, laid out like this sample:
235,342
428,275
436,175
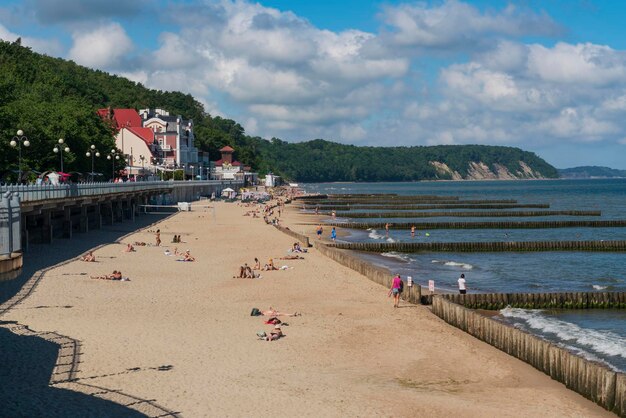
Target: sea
599,335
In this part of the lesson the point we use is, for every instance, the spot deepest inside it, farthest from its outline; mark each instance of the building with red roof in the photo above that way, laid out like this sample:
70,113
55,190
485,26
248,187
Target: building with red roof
153,139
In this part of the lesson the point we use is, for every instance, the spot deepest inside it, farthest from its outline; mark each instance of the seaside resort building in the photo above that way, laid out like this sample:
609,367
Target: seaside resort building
151,141
228,169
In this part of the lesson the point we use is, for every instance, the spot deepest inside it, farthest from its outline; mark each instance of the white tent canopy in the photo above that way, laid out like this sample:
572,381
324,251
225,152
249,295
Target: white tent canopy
227,190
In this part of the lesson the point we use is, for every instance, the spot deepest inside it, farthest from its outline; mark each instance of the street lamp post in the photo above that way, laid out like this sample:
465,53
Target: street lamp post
17,142
192,172
93,152
143,160
184,173
58,149
113,156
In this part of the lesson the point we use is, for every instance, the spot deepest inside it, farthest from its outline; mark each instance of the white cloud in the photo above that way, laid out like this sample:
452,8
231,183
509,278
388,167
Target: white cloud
582,63
455,24
101,47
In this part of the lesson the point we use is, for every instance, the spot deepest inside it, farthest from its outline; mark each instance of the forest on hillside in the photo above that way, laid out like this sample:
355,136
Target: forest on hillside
51,98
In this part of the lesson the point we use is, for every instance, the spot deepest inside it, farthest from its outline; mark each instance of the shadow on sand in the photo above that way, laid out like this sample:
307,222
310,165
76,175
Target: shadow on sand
31,364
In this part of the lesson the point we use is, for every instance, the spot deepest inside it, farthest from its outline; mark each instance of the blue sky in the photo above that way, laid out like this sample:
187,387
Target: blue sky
546,76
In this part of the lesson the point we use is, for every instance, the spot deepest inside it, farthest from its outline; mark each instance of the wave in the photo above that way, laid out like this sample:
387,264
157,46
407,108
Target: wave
399,256
464,266
390,240
598,287
603,342
375,235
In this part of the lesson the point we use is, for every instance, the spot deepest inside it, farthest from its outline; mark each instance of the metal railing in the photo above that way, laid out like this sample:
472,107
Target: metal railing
33,192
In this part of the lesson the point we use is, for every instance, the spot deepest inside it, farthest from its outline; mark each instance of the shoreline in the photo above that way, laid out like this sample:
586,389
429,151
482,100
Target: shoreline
347,355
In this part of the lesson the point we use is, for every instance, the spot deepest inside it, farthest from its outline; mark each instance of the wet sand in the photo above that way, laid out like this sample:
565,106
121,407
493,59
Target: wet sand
180,334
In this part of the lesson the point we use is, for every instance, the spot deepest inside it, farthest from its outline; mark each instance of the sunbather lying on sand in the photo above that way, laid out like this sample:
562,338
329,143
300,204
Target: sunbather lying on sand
129,249
292,257
116,275
275,334
89,257
273,312
140,243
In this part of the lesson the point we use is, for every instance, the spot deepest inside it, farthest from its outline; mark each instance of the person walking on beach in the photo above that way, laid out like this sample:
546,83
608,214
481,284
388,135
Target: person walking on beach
462,287
412,231
396,288
157,237
319,231
333,234
387,229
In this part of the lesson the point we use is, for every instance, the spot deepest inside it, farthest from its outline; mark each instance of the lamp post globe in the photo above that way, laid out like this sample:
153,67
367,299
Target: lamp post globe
17,141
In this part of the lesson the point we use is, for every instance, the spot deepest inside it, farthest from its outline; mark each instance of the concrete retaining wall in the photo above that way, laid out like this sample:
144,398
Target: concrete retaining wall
300,237
594,381
518,246
374,273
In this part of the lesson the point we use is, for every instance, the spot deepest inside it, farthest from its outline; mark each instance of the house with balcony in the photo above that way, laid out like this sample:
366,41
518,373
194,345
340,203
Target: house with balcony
152,139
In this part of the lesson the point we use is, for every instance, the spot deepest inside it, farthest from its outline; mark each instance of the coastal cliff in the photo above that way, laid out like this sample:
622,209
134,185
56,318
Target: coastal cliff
481,171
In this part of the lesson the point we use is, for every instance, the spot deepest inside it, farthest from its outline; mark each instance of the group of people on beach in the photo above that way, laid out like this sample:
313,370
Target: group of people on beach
276,333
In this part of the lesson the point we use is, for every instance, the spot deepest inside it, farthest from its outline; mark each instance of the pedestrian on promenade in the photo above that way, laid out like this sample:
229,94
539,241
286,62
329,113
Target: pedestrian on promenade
462,286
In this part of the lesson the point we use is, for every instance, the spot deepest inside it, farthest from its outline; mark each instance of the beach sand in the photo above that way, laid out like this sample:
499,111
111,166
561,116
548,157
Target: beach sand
180,334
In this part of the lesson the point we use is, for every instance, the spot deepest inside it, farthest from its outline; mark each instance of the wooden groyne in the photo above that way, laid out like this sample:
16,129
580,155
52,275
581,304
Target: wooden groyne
370,200
376,274
341,209
515,246
490,214
593,380
618,223
325,204
563,300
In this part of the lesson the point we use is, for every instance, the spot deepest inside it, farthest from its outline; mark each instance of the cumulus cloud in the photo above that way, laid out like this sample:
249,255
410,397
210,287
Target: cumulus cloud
101,47
455,24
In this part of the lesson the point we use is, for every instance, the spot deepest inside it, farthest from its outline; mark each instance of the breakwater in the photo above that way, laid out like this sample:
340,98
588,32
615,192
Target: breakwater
382,199
562,300
490,214
517,246
374,205
484,225
341,209
593,380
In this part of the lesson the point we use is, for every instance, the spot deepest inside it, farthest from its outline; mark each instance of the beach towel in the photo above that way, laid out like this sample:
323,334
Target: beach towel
255,312
273,321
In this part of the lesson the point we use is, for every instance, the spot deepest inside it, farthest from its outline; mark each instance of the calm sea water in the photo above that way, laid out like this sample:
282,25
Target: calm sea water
597,335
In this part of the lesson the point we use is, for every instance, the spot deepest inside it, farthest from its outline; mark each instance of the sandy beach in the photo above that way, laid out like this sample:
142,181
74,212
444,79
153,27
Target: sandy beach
178,337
